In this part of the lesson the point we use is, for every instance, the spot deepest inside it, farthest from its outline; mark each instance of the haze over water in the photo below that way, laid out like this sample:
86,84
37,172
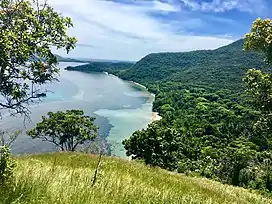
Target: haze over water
120,108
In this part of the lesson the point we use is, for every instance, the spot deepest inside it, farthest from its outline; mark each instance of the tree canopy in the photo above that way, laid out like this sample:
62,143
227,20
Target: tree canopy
260,38
258,83
28,32
66,129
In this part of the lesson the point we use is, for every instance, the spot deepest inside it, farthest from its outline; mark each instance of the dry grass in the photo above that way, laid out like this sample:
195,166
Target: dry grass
66,178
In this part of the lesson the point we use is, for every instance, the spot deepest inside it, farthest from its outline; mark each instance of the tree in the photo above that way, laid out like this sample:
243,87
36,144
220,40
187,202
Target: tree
7,163
237,156
28,31
260,38
66,129
156,146
258,83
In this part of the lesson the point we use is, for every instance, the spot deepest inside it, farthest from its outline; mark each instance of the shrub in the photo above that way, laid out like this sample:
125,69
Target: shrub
7,165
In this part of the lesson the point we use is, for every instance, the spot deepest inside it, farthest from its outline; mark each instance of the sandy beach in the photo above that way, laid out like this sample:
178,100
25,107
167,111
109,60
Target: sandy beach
155,116
139,85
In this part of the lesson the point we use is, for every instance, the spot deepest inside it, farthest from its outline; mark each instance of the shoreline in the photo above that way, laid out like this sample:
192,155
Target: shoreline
155,115
140,85
136,83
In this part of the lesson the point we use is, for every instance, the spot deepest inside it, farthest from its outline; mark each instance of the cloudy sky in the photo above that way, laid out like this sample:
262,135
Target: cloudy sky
130,29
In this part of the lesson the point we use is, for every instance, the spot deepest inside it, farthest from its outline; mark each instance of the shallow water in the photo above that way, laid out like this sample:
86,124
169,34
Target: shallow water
120,107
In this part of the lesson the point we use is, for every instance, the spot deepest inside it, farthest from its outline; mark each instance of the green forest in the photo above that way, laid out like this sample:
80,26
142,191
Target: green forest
110,67
207,127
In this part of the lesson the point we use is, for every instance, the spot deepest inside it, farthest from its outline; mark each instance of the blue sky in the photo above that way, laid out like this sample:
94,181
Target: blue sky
129,30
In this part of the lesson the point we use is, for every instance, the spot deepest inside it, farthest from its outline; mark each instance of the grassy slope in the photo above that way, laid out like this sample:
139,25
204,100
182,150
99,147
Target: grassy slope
66,178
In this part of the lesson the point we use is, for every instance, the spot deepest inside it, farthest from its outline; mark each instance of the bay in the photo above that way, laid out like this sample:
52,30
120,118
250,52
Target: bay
120,108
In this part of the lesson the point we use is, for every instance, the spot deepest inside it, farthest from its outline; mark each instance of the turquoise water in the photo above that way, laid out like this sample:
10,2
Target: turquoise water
120,108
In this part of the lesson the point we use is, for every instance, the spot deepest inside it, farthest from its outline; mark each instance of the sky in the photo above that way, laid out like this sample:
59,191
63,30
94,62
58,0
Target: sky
130,29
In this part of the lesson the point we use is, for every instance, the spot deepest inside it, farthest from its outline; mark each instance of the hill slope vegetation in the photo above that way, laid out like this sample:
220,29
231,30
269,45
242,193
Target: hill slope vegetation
67,178
221,68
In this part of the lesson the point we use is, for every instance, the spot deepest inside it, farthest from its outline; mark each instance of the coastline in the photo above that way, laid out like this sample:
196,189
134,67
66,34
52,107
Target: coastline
149,117
155,115
140,86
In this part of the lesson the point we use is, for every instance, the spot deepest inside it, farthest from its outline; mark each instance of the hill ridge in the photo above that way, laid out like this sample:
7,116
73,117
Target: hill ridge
197,67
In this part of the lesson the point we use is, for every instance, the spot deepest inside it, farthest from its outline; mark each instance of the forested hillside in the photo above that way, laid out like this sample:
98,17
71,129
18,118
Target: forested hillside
65,59
221,68
111,67
207,125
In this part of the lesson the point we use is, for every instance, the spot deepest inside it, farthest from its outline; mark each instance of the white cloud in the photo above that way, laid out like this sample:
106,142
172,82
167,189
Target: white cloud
160,6
253,6
126,32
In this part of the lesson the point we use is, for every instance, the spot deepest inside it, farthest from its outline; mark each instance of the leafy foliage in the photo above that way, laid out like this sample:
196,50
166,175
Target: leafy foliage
258,83
28,31
66,130
260,38
7,165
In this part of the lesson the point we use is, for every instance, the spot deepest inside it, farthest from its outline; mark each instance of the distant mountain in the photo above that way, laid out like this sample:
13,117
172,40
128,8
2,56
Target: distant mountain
111,67
60,59
89,60
64,59
104,60
235,46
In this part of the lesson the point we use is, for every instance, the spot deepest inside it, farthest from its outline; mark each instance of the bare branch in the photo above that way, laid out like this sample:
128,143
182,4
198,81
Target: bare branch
96,169
52,141
11,138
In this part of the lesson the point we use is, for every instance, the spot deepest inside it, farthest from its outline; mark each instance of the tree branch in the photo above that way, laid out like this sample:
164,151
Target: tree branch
44,138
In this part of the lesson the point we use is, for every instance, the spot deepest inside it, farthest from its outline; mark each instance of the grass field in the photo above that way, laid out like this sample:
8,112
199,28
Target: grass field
67,177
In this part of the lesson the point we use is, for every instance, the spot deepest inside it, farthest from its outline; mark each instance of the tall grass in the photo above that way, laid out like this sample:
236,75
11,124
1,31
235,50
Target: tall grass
66,178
